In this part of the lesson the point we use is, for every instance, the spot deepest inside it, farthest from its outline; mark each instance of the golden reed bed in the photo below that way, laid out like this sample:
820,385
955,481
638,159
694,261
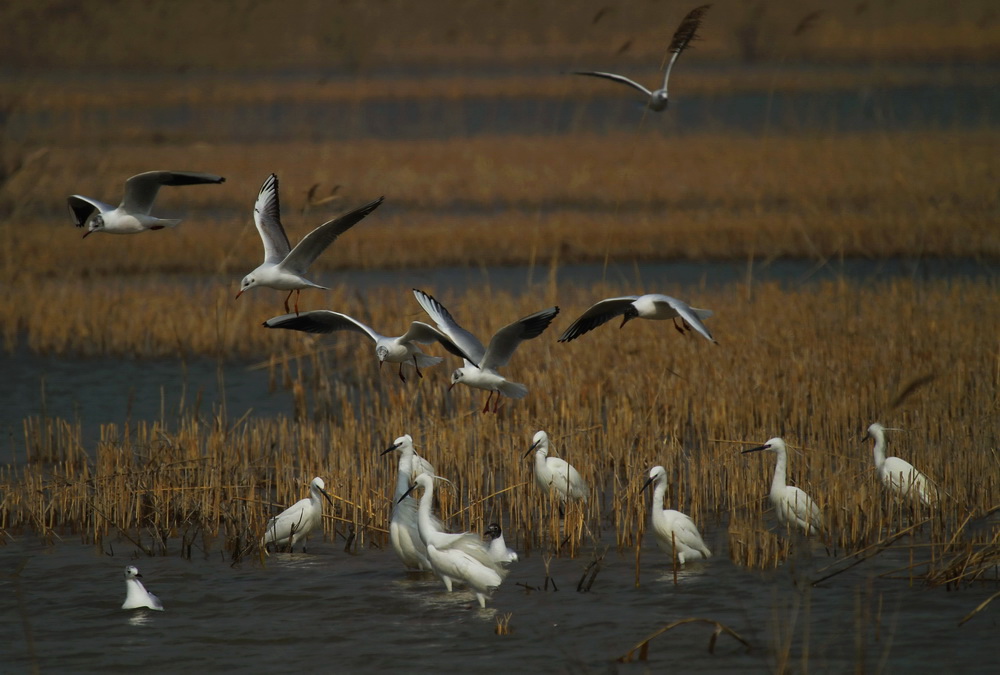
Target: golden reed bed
815,365
526,200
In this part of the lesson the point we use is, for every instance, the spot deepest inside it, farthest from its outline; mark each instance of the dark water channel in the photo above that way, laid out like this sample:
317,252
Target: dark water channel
328,611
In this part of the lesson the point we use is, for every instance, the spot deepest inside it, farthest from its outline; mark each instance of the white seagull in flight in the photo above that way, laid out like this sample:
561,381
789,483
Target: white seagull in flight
650,306
402,350
283,267
132,215
683,36
481,364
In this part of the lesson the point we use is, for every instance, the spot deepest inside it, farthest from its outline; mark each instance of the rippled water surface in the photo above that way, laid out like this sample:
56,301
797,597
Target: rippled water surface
327,610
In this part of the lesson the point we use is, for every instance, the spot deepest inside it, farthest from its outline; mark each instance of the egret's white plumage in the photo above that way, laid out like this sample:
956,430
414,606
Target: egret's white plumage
553,473
283,267
898,475
673,528
481,363
132,215
293,524
402,350
685,33
650,306
498,547
404,533
792,505
136,595
460,557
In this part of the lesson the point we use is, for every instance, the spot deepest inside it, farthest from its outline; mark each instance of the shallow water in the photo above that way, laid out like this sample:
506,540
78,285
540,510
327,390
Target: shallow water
110,390
328,610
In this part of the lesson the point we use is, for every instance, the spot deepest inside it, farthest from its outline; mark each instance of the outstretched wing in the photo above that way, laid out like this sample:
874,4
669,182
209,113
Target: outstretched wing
597,315
507,339
685,33
83,208
691,315
318,240
615,78
463,339
427,334
321,321
141,189
267,218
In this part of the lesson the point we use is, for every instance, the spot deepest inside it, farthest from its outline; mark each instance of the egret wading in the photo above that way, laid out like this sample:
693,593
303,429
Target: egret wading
675,532
295,523
792,505
404,533
897,475
553,473
460,557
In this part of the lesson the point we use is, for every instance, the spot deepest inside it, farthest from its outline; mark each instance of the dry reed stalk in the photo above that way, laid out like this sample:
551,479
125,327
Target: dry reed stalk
815,364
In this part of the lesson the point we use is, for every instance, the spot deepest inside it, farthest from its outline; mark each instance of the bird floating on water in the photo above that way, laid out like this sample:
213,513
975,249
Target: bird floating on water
295,523
460,557
685,33
283,267
792,505
675,532
481,364
136,595
132,215
404,531
650,306
898,475
402,350
553,473
498,547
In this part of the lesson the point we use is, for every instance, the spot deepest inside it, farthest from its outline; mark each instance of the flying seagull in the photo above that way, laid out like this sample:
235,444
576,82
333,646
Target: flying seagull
683,36
132,215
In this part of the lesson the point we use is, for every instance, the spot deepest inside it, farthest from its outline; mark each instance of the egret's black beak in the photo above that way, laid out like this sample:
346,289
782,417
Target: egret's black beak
407,493
327,495
532,448
759,447
647,483
391,448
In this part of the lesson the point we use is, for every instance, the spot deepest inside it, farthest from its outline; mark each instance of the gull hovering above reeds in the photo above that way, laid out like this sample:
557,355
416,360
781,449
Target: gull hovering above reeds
295,523
481,364
461,557
404,533
132,215
675,532
136,595
792,505
498,547
283,267
553,473
685,33
650,306
402,350
898,475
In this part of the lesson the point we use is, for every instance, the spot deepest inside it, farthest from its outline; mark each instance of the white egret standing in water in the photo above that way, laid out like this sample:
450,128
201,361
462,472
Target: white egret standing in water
136,595
675,532
898,475
553,473
404,532
461,557
294,523
792,505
